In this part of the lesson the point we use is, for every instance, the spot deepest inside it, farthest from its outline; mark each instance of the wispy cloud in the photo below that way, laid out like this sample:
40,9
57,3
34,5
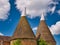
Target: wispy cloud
36,7
58,12
4,9
1,34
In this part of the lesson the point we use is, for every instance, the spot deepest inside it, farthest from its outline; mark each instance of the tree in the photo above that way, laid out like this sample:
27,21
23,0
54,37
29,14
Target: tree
17,42
42,42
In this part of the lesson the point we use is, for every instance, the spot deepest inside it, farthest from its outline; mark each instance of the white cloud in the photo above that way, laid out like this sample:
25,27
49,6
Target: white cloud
4,9
1,34
35,28
58,12
35,7
55,29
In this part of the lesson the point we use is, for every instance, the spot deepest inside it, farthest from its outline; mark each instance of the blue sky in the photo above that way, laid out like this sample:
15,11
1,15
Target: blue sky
8,26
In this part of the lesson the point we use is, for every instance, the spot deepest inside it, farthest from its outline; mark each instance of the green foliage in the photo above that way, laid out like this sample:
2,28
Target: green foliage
42,42
17,42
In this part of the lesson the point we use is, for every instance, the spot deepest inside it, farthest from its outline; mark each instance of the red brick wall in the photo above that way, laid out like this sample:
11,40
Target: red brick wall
29,42
6,43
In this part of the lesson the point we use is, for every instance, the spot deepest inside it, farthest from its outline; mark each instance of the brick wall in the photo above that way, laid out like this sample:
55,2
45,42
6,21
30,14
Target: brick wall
6,43
29,42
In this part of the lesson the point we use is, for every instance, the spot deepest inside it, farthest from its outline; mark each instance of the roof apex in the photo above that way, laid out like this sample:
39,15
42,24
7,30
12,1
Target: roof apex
24,12
42,17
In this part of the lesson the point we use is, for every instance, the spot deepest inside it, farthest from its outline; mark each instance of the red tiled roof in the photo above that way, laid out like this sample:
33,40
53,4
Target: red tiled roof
5,38
23,29
44,32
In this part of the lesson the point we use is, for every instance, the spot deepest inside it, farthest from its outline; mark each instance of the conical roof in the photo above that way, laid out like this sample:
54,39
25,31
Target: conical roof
44,31
23,29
